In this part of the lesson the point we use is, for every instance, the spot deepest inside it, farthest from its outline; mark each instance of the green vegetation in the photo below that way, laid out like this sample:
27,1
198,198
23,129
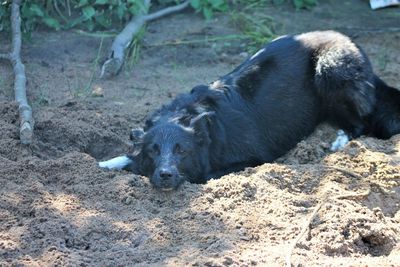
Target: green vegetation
299,4
208,7
103,14
66,14
90,14
257,27
258,30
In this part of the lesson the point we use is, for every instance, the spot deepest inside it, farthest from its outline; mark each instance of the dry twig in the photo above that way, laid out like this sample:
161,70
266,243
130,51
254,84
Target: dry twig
117,54
303,231
345,171
25,111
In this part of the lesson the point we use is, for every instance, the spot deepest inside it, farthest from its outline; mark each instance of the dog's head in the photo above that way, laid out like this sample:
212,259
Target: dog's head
174,150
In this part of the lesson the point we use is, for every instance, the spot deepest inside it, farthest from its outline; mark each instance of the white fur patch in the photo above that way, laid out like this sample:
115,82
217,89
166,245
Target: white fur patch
257,54
341,140
117,163
279,37
217,85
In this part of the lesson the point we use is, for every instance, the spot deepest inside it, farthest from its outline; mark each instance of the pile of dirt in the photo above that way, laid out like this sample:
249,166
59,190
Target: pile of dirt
58,208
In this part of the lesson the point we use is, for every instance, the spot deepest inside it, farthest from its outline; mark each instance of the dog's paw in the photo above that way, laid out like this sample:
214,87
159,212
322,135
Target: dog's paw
117,163
341,140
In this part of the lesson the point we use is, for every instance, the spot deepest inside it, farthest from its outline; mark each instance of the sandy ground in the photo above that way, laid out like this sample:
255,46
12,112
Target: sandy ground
58,208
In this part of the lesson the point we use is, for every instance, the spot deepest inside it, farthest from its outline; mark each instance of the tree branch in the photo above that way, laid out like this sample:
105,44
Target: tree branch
117,54
25,111
167,11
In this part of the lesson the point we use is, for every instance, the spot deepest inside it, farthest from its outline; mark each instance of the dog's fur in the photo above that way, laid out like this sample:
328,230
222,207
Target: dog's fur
263,108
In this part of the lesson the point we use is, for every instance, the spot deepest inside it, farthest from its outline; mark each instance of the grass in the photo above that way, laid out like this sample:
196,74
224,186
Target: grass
133,51
84,91
258,29
42,99
206,39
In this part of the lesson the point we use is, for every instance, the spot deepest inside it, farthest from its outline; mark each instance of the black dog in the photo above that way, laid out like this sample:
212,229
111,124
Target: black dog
262,109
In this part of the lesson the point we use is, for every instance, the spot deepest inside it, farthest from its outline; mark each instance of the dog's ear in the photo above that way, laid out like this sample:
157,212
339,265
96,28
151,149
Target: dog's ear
202,117
137,135
200,125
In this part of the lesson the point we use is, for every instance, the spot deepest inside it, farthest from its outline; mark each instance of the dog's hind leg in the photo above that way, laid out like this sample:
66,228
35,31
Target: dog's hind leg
341,140
385,120
345,82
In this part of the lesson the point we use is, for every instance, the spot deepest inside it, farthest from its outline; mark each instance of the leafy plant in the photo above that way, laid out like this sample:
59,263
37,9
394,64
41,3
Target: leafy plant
304,4
5,9
36,14
208,7
259,30
102,14
89,14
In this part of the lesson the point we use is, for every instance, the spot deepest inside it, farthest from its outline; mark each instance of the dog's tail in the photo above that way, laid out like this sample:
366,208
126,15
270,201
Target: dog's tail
385,119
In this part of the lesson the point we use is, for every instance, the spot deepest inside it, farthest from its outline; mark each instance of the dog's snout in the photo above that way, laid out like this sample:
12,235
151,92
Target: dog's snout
166,174
166,178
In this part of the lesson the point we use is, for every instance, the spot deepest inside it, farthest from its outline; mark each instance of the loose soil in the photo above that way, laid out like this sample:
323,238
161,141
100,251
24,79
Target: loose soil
58,208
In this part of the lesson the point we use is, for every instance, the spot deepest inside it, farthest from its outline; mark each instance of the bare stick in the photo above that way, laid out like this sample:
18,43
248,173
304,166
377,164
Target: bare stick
25,111
167,11
345,171
303,231
307,224
116,58
354,195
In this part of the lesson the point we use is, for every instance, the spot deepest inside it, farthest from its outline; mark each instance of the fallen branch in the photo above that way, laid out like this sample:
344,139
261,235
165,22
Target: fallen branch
308,222
201,41
115,60
25,111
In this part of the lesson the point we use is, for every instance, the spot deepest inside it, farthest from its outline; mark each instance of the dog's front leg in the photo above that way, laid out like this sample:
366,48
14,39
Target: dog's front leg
118,163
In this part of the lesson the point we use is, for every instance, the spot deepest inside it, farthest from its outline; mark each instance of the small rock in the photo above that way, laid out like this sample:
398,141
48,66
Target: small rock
210,199
97,91
244,55
228,261
128,200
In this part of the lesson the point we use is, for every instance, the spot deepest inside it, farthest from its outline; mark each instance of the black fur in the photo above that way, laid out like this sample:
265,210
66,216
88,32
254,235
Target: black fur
263,108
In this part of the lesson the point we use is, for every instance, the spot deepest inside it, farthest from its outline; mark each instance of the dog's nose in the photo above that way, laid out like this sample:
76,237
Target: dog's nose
165,174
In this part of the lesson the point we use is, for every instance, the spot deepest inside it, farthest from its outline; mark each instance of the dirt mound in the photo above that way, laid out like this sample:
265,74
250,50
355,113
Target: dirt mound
64,129
58,207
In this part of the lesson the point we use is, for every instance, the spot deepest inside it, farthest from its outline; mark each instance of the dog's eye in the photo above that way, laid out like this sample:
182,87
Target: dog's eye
179,150
154,150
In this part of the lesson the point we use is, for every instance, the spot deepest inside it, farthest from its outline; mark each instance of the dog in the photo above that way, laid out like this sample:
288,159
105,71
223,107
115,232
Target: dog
262,109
